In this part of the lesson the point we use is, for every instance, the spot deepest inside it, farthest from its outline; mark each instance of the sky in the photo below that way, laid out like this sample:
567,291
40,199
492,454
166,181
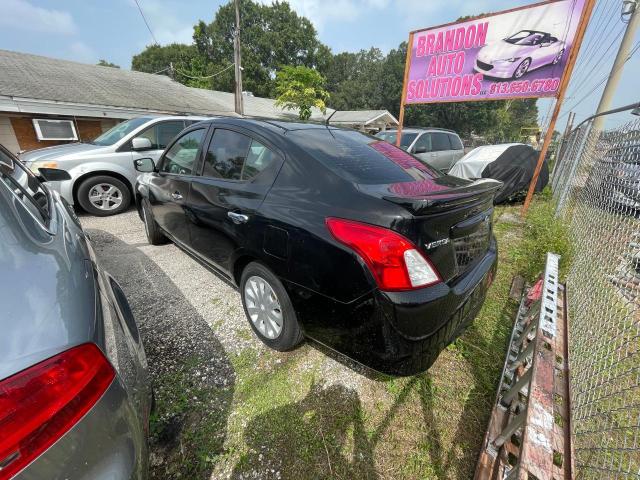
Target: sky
89,30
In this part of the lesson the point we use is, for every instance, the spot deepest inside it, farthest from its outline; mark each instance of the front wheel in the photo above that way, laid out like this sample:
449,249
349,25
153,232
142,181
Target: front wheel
151,229
268,308
103,195
522,68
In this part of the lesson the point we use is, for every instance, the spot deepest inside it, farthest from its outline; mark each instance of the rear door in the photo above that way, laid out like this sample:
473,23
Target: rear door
423,150
457,149
441,147
169,188
237,172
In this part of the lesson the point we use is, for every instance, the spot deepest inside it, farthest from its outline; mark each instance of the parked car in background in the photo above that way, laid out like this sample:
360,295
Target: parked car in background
438,147
618,176
74,392
329,234
102,175
522,52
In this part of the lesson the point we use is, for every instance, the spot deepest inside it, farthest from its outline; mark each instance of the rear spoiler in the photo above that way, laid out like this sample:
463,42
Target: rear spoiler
447,199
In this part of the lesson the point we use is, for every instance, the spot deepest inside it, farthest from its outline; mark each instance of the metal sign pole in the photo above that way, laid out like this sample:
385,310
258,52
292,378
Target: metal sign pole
582,27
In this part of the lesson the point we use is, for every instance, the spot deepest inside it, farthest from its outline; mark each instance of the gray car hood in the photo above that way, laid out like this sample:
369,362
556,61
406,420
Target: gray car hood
63,152
47,288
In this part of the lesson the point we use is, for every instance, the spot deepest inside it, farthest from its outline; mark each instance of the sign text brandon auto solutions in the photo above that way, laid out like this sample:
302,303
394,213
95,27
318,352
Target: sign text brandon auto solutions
514,54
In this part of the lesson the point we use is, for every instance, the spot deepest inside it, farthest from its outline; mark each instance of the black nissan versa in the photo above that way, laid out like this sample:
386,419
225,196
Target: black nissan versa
329,234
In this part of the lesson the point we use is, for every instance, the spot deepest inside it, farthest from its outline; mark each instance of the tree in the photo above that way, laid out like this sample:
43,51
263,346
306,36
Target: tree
105,63
272,36
301,88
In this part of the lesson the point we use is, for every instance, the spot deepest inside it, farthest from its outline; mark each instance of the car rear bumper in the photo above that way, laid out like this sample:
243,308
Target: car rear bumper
398,333
108,442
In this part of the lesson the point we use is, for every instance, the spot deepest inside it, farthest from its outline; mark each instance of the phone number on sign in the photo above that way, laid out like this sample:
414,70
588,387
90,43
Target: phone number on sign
525,86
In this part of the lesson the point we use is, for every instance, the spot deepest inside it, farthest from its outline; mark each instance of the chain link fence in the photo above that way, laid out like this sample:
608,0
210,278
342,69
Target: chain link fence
596,183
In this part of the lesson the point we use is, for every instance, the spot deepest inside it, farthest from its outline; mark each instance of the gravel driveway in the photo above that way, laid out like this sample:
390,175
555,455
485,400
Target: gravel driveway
227,407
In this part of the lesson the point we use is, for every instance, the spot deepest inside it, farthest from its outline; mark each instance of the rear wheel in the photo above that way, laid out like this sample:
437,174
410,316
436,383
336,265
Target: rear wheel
558,57
268,308
103,195
154,234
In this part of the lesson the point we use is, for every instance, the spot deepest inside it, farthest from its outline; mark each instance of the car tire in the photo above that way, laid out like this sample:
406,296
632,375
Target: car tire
517,73
151,228
268,308
115,195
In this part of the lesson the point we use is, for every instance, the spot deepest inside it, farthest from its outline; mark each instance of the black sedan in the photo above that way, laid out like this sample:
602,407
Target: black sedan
329,234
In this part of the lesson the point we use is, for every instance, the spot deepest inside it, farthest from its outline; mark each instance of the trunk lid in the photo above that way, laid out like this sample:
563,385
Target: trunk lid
451,218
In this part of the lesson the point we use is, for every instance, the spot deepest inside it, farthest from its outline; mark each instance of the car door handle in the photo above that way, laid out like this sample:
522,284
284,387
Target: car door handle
176,196
238,218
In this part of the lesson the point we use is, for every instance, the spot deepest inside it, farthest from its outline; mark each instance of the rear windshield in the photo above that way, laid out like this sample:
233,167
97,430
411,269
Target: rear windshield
361,158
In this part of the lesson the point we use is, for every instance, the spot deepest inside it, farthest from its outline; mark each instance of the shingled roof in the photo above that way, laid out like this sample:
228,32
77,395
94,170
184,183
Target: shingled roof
36,77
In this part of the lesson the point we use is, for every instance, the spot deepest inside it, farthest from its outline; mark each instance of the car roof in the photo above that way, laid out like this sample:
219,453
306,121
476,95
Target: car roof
421,129
272,125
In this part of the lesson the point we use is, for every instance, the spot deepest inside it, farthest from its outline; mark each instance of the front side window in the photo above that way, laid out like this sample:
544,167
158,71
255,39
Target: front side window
161,134
25,186
423,144
226,155
181,157
440,142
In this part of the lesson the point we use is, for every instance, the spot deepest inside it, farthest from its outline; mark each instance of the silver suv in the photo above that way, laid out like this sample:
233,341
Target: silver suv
438,147
102,173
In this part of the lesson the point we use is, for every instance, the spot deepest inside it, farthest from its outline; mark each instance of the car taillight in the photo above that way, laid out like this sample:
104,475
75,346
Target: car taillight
394,261
40,404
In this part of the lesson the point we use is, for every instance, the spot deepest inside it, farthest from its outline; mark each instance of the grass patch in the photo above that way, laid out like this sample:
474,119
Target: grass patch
285,421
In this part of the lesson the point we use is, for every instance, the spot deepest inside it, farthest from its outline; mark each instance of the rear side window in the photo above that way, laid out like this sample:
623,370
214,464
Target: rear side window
361,158
440,142
226,155
259,159
456,144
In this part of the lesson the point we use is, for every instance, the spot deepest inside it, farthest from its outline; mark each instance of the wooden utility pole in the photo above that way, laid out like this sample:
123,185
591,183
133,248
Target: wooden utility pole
564,83
238,66
404,89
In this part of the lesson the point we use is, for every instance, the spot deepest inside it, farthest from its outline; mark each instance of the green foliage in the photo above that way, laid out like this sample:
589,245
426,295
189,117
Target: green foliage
105,63
274,36
544,233
301,88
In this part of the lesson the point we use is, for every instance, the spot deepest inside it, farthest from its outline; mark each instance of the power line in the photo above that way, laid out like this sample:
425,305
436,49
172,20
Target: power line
208,76
163,70
604,79
146,23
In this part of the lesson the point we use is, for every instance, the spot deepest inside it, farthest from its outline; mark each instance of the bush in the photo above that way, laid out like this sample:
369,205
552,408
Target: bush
543,233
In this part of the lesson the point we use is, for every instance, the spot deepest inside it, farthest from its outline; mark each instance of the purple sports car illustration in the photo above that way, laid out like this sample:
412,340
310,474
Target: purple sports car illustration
514,56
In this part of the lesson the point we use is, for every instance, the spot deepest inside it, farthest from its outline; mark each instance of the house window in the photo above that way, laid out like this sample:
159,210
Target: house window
47,129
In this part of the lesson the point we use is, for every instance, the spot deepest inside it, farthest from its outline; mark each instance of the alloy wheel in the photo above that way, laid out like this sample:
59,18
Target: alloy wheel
558,57
522,68
105,196
263,307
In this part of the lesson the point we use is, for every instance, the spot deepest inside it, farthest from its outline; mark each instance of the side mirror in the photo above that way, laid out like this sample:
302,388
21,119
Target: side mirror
420,149
141,143
54,174
144,165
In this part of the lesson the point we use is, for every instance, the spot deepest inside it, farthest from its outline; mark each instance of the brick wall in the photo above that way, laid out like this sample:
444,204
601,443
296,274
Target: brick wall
87,129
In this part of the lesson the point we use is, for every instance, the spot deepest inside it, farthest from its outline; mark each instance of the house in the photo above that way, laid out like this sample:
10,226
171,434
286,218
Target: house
365,120
46,101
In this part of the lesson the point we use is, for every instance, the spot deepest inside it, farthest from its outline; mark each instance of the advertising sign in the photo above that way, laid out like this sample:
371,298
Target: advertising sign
518,53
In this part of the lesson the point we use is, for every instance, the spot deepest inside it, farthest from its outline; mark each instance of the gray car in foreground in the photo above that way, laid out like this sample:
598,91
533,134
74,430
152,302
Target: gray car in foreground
74,393
102,173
